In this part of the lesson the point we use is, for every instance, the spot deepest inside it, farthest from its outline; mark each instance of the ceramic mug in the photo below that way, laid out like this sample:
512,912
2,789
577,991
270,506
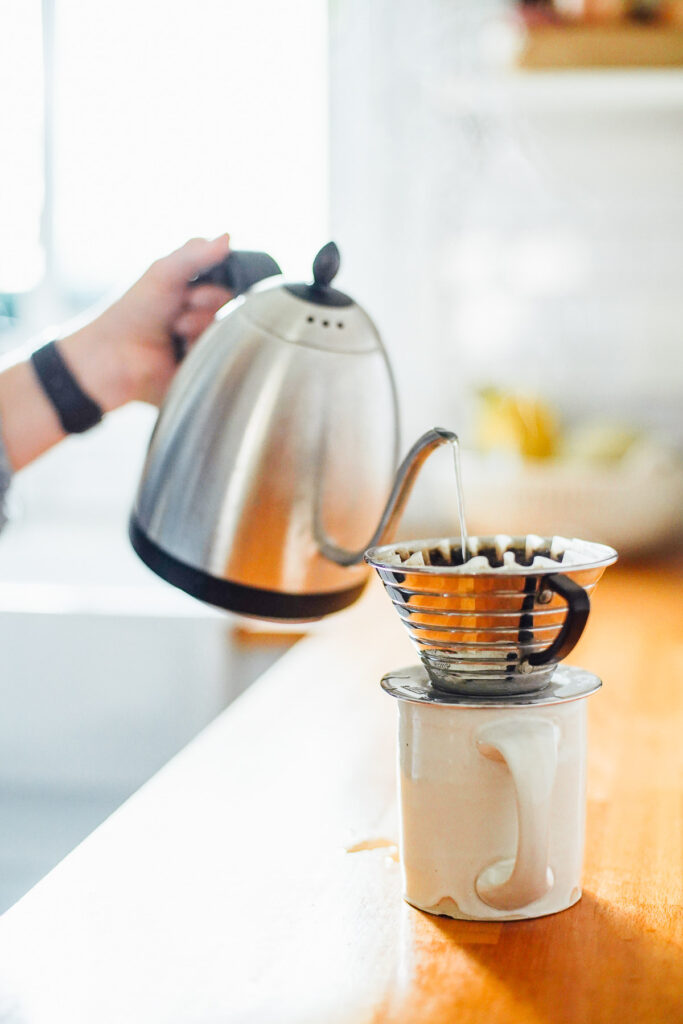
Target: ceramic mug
492,800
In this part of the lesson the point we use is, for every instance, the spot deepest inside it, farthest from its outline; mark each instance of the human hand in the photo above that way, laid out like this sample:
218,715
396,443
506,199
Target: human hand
126,354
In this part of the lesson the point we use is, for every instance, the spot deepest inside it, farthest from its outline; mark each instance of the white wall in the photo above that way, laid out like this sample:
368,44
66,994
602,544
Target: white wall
502,227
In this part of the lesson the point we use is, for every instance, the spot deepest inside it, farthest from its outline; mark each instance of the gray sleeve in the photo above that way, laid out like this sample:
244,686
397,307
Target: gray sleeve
5,479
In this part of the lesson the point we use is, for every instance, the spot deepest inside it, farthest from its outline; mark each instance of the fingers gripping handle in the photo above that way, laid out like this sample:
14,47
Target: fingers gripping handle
237,273
529,749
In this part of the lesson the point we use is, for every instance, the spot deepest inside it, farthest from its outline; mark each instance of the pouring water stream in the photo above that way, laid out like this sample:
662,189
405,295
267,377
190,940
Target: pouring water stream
455,445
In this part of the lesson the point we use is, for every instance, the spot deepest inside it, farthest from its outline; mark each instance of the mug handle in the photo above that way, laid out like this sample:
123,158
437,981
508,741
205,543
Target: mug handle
528,746
578,607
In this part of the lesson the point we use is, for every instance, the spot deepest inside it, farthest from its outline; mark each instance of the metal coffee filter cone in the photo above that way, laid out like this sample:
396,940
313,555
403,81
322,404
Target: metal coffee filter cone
486,626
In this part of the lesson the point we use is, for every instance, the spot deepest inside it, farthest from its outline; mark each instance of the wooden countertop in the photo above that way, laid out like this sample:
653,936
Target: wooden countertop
223,891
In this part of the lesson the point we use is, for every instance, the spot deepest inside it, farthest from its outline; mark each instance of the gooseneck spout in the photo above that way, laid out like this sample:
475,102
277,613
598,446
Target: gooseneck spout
400,492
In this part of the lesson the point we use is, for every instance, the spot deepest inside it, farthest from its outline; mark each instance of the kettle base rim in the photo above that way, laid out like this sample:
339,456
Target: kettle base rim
239,598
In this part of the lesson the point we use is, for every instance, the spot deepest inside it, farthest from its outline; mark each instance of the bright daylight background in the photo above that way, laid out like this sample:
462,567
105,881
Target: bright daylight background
124,129
131,128
508,226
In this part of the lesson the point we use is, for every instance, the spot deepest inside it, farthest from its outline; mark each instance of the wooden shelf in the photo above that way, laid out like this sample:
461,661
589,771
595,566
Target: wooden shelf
597,46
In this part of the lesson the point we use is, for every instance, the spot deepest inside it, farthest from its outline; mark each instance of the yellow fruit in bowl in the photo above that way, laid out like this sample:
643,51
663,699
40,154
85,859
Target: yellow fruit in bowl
600,442
519,424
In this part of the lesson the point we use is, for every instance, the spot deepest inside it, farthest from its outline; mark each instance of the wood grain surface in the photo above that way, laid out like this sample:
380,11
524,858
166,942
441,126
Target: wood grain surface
602,46
255,879
618,954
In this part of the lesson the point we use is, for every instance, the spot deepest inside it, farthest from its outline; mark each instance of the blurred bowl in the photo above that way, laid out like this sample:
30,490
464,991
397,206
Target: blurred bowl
633,504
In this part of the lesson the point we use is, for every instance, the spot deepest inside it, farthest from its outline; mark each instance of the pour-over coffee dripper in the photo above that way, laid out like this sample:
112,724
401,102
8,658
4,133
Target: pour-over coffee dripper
500,622
492,731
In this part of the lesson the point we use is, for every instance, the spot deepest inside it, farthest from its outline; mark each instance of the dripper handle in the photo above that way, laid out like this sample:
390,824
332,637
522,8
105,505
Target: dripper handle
578,608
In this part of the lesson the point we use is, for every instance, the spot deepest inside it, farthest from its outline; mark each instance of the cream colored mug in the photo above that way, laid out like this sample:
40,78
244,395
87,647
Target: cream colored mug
492,797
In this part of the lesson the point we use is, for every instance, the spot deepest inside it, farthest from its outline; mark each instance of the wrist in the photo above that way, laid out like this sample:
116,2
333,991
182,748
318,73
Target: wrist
95,362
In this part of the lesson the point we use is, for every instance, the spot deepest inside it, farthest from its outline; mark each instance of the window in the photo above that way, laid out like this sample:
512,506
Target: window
21,151
158,122
125,129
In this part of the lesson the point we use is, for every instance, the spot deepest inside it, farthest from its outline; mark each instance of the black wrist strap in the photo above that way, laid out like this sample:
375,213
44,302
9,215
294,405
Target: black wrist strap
77,412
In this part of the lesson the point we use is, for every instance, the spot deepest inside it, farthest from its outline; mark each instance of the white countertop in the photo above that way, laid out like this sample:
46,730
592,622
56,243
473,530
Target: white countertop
255,879
197,900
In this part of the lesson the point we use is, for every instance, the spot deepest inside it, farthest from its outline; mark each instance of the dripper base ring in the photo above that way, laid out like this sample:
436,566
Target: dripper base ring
508,678
566,682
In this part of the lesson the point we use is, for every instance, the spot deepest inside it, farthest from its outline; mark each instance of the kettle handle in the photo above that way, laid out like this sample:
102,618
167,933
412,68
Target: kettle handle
236,273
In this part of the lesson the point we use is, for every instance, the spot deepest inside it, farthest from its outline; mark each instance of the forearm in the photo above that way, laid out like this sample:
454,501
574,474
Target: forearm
123,355
29,421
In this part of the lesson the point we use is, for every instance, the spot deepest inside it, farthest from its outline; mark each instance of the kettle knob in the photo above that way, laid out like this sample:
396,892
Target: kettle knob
326,265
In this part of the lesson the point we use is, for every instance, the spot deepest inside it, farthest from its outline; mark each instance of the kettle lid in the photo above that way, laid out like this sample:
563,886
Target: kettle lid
325,269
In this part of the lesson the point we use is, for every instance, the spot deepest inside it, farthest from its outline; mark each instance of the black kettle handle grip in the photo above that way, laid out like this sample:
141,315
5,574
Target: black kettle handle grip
237,273
578,608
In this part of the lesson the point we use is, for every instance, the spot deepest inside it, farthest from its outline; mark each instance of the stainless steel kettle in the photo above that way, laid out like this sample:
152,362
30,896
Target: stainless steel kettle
270,468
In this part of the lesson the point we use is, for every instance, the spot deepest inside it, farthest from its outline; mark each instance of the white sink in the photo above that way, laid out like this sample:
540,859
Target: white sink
93,703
